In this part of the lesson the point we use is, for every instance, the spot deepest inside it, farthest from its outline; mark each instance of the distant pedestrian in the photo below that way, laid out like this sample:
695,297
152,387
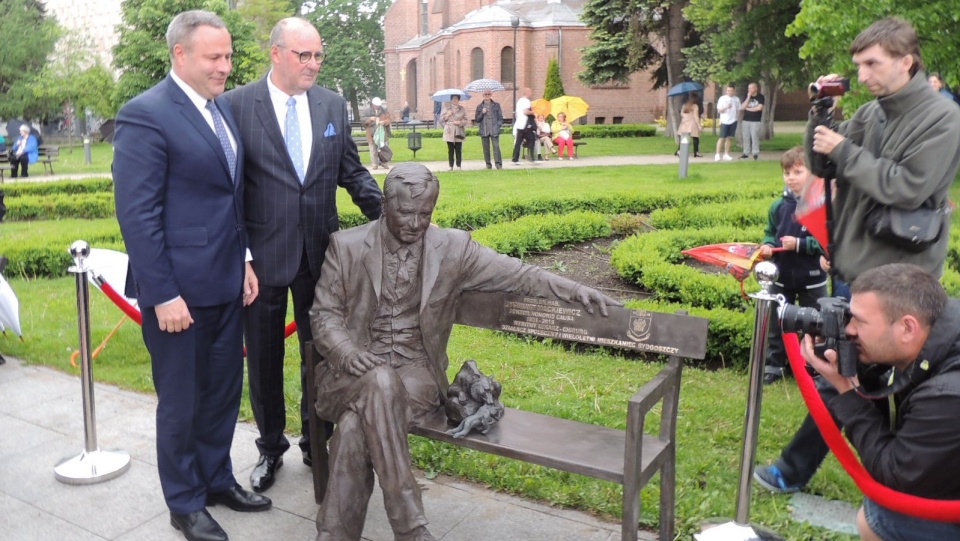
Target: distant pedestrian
489,118
752,113
728,107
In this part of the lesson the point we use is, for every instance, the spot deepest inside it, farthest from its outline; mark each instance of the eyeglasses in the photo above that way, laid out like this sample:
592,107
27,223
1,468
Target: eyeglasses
305,56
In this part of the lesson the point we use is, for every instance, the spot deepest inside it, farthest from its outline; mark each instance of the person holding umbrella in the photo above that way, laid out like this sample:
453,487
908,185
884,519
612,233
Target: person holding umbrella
454,119
489,118
564,137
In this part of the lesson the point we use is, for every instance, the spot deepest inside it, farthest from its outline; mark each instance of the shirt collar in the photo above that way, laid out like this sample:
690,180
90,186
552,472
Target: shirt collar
392,245
278,95
192,94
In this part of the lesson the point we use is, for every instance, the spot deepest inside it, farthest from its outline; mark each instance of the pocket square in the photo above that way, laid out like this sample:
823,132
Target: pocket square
331,131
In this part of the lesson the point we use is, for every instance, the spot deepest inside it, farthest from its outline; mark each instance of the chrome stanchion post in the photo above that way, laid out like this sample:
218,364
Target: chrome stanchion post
766,273
92,465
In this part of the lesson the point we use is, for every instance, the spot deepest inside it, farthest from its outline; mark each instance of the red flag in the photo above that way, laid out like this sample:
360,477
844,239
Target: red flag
812,212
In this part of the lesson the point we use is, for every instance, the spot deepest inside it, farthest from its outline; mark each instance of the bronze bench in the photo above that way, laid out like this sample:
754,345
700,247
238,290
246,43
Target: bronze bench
628,457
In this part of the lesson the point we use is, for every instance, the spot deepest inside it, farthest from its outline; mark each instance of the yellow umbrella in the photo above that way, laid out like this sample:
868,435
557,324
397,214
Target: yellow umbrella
573,106
541,106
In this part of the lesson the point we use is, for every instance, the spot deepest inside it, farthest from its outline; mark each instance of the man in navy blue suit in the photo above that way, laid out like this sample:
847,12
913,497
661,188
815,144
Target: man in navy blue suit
178,170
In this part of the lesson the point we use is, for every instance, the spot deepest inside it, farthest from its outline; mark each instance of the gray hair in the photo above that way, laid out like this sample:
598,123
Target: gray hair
182,27
284,25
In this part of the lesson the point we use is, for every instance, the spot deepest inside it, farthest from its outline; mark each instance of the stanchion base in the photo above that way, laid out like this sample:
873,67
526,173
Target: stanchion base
725,529
93,467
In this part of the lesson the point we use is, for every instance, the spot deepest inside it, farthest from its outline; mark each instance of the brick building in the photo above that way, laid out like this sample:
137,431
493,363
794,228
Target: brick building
436,44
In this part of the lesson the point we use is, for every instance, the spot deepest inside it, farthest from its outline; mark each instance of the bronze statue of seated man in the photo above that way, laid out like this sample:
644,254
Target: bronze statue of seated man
381,319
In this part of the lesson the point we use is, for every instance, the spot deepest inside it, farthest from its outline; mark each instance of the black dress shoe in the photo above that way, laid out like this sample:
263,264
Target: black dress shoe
307,459
239,500
265,472
198,526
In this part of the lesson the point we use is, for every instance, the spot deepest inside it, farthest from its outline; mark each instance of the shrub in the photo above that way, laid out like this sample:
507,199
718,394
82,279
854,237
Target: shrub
539,233
748,214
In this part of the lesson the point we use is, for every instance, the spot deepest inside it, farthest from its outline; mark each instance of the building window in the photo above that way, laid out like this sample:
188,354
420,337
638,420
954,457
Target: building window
424,18
476,63
506,66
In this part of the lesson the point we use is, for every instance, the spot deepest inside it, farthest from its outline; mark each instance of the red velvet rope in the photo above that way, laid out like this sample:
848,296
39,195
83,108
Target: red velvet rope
907,504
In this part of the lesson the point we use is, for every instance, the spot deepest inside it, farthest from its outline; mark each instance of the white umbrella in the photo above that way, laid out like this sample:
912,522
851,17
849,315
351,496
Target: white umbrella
482,85
448,93
9,308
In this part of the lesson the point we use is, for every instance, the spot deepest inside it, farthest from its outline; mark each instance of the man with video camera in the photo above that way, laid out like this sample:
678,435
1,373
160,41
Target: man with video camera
900,151
901,320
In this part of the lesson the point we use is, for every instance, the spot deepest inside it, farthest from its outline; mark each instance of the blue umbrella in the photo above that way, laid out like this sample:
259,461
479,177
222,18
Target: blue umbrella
445,95
684,87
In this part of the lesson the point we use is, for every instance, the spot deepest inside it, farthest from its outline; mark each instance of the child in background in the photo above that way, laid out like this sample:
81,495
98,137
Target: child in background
801,278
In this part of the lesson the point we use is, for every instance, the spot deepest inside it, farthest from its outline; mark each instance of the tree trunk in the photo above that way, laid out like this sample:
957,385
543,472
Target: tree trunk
769,87
675,62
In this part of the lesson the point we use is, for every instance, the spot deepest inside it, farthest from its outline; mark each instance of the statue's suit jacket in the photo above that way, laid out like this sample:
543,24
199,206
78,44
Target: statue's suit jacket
283,217
348,295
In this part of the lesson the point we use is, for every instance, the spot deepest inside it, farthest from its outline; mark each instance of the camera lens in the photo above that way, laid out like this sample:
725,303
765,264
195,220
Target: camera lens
799,319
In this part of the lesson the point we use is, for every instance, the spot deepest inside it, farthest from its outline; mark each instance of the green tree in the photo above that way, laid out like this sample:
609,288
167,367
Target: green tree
144,59
352,32
27,38
75,76
629,36
554,85
744,41
264,15
829,26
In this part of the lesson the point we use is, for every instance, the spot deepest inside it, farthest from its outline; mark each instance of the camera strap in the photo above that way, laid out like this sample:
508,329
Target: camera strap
896,382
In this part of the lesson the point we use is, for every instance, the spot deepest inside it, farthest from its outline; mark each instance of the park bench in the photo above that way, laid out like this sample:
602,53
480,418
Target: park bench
48,155
4,165
628,457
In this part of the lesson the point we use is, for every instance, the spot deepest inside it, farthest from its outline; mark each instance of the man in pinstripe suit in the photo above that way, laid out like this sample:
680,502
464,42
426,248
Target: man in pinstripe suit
298,149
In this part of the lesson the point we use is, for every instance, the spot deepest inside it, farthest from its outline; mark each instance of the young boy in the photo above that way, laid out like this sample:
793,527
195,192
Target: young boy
801,278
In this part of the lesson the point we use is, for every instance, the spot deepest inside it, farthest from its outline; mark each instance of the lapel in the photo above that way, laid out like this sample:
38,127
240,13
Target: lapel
193,116
318,123
373,257
430,262
267,116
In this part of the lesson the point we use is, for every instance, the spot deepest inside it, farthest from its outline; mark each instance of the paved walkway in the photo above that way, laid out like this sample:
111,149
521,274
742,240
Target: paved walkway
478,164
41,423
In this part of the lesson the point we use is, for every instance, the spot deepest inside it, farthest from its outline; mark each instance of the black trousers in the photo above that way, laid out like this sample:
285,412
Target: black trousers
524,138
454,152
801,458
264,322
21,162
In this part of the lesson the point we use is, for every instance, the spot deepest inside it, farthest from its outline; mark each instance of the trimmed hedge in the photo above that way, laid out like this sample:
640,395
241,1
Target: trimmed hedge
39,249
95,185
58,206
539,233
749,214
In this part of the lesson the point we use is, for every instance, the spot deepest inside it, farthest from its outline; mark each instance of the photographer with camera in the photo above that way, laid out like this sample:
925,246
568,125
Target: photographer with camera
900,151
900,321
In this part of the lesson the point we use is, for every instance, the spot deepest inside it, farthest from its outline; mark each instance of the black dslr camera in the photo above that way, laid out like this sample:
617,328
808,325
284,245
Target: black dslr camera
821,96
828,326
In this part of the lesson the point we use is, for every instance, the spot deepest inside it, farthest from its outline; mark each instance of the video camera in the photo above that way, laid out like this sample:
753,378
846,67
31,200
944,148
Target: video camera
828,325
822,97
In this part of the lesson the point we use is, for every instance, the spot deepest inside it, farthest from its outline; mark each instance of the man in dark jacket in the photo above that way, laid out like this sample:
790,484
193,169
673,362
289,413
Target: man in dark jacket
901,319
489,118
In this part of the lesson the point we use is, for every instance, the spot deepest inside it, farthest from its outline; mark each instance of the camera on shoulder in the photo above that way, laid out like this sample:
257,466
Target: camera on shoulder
827,326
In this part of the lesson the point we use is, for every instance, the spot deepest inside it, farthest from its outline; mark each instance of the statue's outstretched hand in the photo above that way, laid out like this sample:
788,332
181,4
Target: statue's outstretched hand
588,296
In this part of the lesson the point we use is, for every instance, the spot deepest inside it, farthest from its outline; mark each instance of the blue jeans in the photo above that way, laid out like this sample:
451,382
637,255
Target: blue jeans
892,526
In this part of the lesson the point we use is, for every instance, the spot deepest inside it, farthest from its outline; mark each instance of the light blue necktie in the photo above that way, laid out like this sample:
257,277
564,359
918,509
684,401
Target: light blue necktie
224,139
292,137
